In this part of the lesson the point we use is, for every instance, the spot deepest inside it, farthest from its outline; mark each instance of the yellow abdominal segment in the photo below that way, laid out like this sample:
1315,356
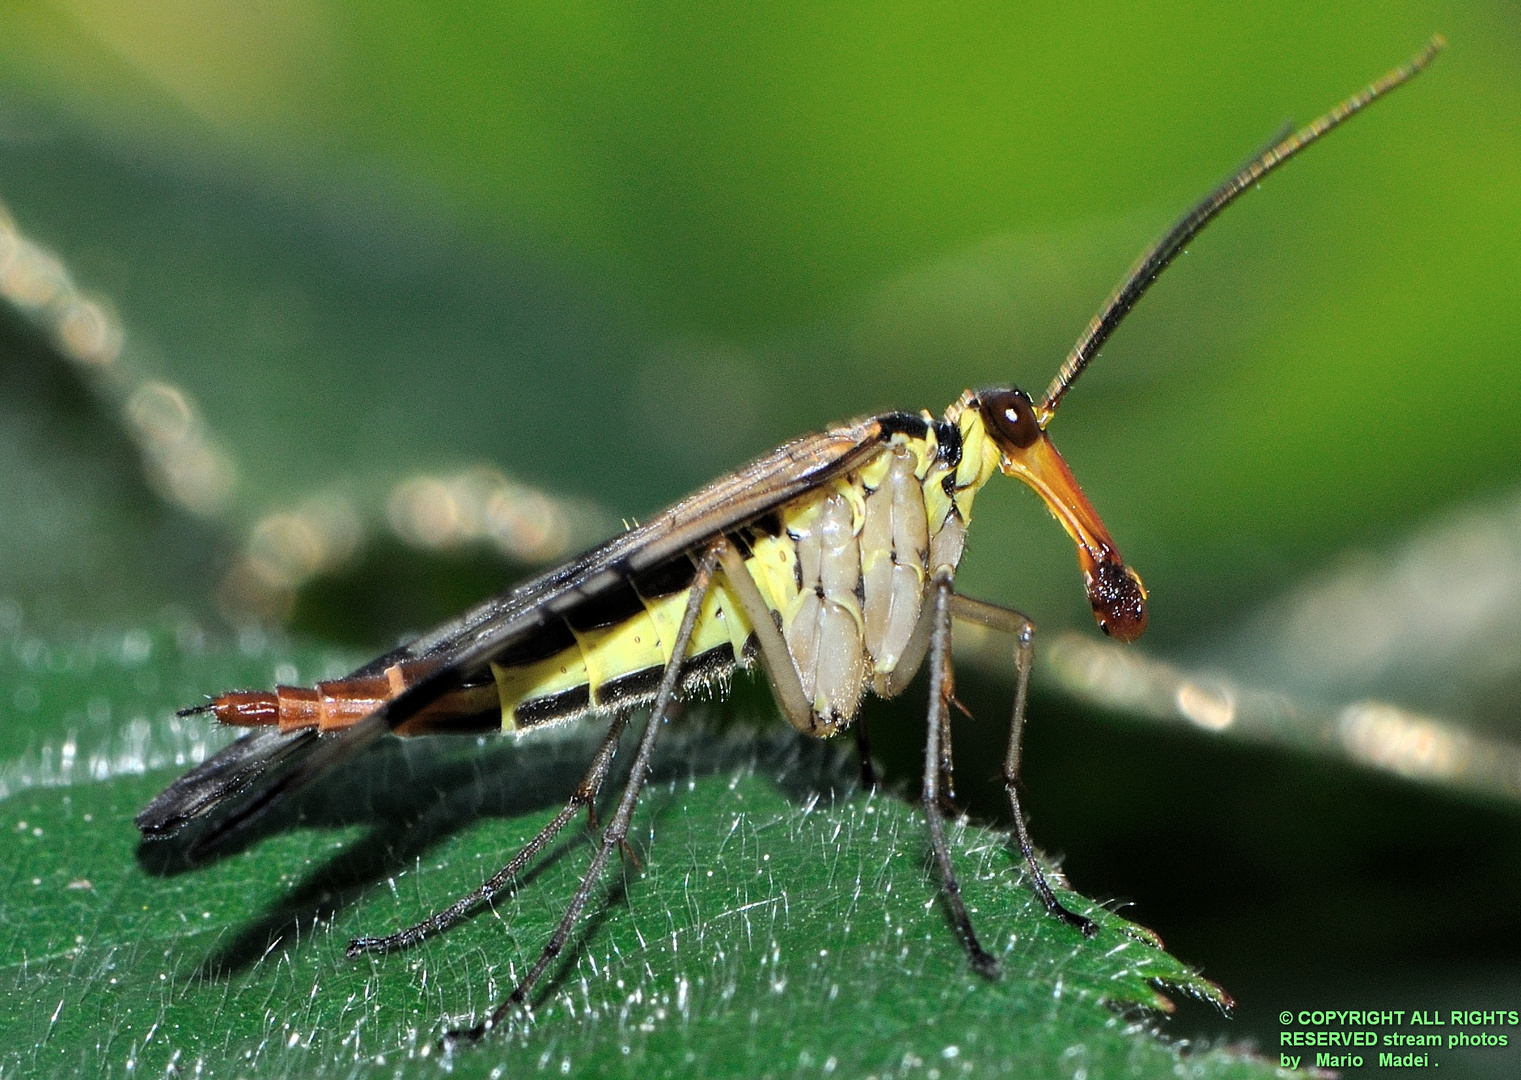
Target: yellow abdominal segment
602,655
547,678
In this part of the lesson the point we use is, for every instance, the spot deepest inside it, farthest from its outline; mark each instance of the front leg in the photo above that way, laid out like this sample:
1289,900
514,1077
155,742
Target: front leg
941,690
816,660
1012,622
776,658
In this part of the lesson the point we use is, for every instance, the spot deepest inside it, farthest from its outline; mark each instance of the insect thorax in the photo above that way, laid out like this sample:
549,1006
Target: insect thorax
842,570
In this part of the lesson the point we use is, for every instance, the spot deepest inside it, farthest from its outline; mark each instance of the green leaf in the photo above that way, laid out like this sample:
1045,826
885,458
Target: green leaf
783,923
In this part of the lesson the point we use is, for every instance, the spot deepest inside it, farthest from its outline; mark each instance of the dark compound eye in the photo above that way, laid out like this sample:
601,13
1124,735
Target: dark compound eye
1009,416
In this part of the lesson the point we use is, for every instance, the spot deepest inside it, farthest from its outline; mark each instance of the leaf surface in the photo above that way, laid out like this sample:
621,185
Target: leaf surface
783,923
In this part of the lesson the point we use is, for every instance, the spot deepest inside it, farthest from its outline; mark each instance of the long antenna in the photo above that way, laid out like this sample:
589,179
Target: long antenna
1150,265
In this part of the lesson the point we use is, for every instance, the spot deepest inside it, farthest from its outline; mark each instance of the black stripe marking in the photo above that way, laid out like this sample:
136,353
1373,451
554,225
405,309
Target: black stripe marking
553,638
631,689
565,705
672,576
700,672
948,435
625,692
608,608
741,544
767,525
902,423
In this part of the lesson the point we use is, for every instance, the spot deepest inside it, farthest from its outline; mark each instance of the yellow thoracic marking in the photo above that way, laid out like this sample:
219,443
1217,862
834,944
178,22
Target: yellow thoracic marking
979,460
644,641
937,504
874,472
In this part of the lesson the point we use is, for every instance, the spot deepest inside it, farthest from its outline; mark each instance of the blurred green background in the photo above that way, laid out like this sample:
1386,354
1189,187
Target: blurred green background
616,249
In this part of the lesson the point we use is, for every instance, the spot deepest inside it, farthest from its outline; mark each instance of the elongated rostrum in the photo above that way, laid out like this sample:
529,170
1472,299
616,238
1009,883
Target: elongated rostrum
830,562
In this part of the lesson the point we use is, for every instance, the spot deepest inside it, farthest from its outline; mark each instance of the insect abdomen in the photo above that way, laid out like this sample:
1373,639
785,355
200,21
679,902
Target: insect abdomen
341,703
619,665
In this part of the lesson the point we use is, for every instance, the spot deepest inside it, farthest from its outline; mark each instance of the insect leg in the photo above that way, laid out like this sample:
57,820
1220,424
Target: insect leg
1012,622
776,658
584,795
897,680
941,689
617,829
947,764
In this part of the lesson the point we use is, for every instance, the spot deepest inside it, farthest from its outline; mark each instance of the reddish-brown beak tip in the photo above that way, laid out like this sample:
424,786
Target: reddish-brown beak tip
1118,599
1114,590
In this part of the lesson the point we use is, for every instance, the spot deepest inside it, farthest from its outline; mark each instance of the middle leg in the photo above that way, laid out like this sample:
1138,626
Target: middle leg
616,831
1023,631
584,795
